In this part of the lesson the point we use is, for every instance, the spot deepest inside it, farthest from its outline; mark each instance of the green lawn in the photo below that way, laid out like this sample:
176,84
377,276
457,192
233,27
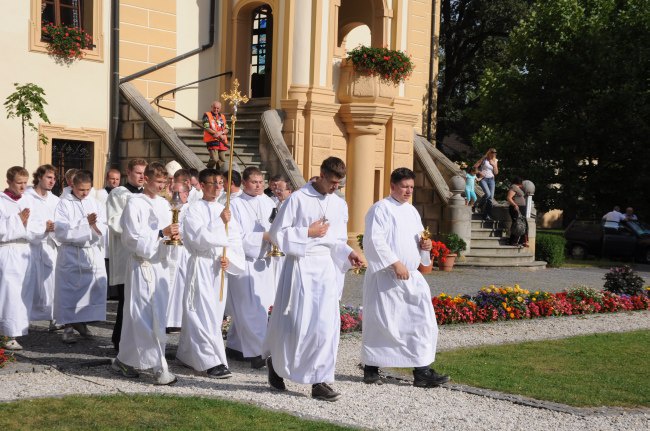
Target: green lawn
593,370
141,412
595,263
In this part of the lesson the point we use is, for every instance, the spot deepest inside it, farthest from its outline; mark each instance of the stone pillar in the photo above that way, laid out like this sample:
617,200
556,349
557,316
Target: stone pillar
457,214
363,122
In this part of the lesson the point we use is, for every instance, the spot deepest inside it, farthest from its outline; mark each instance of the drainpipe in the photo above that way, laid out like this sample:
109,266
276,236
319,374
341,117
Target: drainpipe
113,137
432,83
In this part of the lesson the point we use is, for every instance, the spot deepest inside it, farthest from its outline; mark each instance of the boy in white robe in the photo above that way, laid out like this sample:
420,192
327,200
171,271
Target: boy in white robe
146,221
16,292
201,344
42,203
253,291
399,324
178,257
117,253
303,333
80,275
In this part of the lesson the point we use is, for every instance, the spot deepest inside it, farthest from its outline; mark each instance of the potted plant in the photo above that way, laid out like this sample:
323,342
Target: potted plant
439,253
66,43
456,245
371,75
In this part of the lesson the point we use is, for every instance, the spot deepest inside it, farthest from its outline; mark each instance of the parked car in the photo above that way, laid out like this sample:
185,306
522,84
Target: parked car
627,239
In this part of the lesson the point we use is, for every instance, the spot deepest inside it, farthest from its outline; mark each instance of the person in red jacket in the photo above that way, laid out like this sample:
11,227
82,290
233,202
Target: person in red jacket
215,135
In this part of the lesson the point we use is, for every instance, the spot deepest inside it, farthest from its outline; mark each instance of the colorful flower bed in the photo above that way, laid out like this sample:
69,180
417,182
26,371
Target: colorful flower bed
514,303
494,303
5,357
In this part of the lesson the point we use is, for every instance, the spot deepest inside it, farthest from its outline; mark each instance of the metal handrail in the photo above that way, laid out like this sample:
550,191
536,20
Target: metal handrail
173,91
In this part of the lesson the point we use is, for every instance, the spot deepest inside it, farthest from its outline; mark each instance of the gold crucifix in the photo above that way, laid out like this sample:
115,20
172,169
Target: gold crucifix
235,98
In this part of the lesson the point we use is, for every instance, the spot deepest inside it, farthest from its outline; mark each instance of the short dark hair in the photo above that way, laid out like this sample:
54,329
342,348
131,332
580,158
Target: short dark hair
333,166
182,173
82,176
135,162
236,178
516,180
16,171
278,177
400,174
250,171
155,170
193,172
205,174
40,171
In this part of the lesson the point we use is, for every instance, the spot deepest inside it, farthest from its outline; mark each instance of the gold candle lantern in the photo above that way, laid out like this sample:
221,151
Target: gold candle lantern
176,204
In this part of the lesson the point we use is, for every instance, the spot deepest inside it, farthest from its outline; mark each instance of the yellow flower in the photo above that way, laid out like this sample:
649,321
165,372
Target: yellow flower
512,315
504,305
516,286
520,299
534,299
508,289
488,290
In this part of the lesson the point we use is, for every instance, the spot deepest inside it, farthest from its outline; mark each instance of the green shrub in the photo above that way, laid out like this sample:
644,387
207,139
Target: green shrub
623,280
550,248
455,243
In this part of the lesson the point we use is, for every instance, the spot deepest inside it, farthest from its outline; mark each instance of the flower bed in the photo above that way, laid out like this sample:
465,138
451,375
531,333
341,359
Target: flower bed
5,357
494,303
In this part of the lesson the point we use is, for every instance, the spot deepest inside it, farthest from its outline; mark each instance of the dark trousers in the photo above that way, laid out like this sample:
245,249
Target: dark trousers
514,239
117,329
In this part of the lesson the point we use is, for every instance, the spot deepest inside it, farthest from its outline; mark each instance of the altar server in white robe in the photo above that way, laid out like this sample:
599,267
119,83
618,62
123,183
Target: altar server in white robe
80,275
117,253
42,204
399,324
16,291
201,344
146,222
282,191
253,291
177,258
303,334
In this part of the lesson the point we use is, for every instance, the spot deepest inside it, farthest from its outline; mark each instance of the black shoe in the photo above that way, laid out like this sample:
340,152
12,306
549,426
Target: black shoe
257,362
219,372
173,330
324,392
275,381
371,375
234,354
427,378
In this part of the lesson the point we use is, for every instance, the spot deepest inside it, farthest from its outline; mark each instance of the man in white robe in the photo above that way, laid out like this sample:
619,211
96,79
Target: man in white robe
80,275
16,292
201,343
146,222
303,334
399,324
178,258
235,187
42,204
253,291
117,253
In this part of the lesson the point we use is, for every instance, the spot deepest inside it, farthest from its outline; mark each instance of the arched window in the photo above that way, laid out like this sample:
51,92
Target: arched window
259,39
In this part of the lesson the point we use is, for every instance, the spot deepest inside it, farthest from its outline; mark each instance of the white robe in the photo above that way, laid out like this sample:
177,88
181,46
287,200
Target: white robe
43,247
15,291
117,254
80,274
253,291
146,288
102,196
177,258
201,344
224,196
303,331
399,324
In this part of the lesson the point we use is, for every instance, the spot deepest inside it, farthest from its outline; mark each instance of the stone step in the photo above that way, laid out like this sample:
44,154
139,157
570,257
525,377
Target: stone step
494,224
502,259
533,265
486,233
501,251
493,242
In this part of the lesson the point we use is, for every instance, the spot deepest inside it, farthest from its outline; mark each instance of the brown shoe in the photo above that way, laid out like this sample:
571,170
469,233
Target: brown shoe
324,392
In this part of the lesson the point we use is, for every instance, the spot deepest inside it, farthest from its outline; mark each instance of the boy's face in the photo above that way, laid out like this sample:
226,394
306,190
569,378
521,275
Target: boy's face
47,181
81,190
154,185
18,185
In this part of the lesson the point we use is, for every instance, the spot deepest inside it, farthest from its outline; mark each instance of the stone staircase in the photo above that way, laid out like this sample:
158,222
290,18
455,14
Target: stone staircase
489,247
247,135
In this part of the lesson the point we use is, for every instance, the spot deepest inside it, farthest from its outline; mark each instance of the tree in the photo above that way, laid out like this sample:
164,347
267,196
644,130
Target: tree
473,35
569,107
26,101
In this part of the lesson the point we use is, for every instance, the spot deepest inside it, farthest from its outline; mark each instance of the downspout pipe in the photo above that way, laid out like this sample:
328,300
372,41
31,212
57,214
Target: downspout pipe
433,86
182,56
113,132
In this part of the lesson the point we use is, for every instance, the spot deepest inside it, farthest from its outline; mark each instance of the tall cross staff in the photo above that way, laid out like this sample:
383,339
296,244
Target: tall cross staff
235,98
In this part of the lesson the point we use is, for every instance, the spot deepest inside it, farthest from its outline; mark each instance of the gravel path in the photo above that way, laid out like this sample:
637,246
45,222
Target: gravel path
395,405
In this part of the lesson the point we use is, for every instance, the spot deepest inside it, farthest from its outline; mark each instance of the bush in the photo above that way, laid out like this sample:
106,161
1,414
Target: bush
455,243
623,280
550,248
